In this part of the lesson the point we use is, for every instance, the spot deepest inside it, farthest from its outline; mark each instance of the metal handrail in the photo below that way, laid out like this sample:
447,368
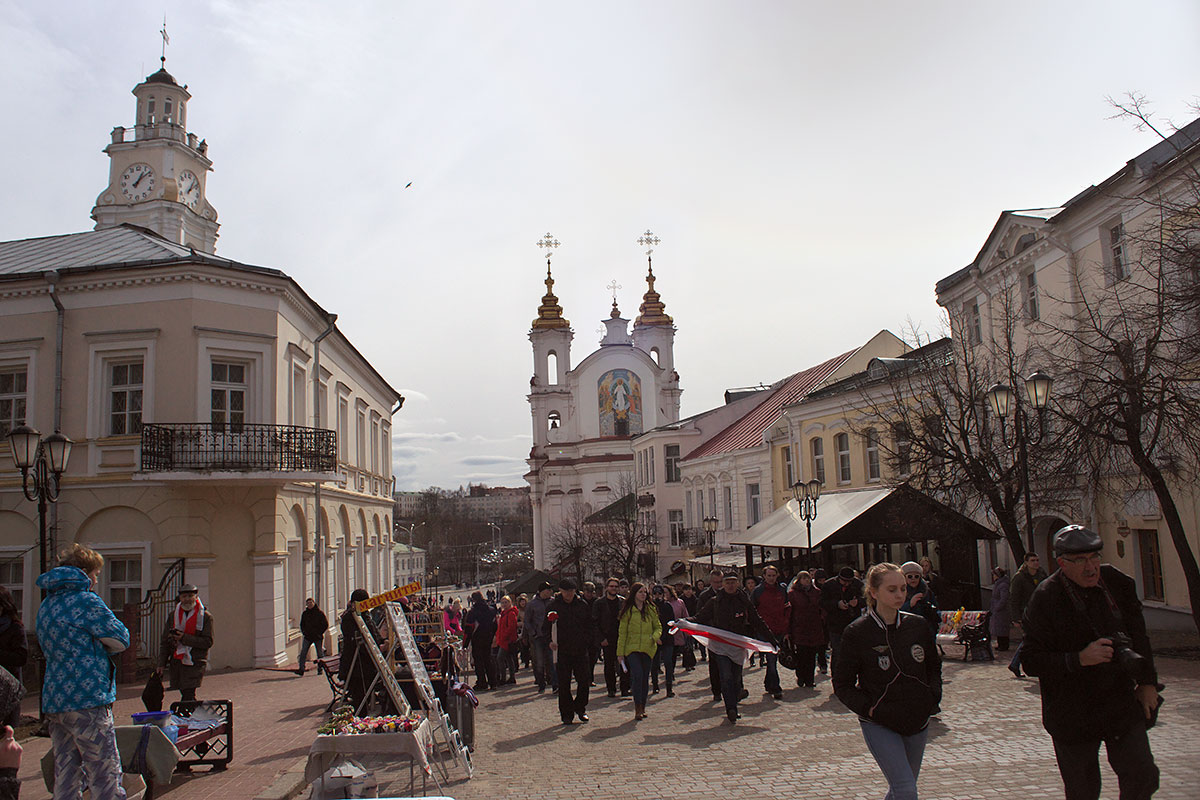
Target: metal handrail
237,447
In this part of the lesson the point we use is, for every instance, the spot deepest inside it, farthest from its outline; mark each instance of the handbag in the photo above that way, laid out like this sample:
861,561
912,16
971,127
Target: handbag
11,692
788,657
152,695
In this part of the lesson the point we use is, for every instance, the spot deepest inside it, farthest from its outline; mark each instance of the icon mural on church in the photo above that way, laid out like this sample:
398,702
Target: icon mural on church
619,392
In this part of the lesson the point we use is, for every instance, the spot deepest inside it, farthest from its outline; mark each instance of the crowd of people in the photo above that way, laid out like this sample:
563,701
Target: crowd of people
1083,636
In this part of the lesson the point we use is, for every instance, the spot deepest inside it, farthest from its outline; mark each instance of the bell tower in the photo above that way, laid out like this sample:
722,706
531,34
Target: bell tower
158,170
654,330
551,336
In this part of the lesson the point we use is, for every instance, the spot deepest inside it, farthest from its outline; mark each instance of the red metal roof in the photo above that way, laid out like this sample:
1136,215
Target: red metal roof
748,431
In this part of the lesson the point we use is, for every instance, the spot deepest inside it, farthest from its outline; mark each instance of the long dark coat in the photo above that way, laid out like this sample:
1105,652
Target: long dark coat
1000,620
184,676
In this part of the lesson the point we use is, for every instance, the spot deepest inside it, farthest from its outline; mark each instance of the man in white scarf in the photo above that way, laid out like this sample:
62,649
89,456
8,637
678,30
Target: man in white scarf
186,642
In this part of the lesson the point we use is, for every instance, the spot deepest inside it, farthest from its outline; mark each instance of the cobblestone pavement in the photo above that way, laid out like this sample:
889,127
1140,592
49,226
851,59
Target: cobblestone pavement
987,743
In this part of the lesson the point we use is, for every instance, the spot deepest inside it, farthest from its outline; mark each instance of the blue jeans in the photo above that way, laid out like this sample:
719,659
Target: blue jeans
771,680
307,643
898,756
1015,664
639,676
731,680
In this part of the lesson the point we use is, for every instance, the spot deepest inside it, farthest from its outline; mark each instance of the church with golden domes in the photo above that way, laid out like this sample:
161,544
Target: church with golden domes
586,416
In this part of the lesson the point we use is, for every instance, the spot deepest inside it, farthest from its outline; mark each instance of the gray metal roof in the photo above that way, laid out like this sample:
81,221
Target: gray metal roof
120,245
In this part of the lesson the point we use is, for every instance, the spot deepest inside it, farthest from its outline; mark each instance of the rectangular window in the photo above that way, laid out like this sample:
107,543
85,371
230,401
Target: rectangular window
700,505
1151,558
375,446
228,389
903,451
13,398
1117,257
343,430
125,398
728,507
299,415
712,501
671,454
360,439
753,509
1031,295
687,504
817,446
641,468
12,577
785,455
675,524
124,580
872,455
650,472
842,442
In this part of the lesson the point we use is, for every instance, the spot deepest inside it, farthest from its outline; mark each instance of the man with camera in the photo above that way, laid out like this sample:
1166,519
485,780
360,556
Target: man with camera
1085,639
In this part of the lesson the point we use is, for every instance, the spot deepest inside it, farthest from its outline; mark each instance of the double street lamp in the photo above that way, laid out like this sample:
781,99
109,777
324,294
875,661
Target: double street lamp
710,528
1001,398
806,494
42,463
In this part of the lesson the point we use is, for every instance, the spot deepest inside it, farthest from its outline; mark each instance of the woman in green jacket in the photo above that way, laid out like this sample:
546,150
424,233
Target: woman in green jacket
638,637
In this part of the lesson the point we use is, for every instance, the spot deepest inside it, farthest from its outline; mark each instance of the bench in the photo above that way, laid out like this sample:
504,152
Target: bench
330,665
971,632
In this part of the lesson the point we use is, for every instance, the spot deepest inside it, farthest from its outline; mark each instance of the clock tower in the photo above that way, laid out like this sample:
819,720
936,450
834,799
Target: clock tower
157,170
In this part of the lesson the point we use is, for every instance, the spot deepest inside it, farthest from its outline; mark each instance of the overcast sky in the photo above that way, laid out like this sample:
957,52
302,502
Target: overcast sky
811,168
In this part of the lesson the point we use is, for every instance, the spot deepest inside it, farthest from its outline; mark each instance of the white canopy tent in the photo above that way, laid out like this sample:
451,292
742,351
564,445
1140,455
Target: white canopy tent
784,527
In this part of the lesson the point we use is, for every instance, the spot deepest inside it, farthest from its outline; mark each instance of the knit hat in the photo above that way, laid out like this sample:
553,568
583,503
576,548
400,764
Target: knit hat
911,568
846,574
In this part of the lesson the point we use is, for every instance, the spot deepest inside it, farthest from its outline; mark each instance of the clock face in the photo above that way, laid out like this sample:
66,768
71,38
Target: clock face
189,189
137,182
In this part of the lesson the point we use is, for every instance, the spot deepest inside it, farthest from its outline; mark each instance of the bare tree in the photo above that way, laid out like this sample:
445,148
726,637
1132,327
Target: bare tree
933,402
573,541
1129,348
624,530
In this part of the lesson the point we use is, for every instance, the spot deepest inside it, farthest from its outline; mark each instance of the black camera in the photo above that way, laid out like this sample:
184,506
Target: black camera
1125,656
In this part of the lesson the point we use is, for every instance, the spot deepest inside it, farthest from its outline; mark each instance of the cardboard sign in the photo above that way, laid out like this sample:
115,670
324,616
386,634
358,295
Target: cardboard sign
391,595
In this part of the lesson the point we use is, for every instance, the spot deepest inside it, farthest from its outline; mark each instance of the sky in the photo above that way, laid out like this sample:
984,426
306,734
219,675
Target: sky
812,169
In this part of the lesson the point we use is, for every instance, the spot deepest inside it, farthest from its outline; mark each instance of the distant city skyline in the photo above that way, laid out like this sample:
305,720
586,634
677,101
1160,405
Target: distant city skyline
811,169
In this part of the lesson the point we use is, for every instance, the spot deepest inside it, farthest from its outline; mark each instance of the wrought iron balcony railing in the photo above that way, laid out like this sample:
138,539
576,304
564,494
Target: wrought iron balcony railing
237,447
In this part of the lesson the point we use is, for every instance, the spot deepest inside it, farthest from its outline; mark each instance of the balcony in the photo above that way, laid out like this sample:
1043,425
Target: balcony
240,453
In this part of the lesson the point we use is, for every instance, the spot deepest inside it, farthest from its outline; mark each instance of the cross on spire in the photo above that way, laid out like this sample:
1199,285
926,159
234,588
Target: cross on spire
612,287
649,240
166,41
548,243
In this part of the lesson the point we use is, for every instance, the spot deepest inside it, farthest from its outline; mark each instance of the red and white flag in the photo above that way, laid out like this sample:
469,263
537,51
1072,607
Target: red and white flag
721,642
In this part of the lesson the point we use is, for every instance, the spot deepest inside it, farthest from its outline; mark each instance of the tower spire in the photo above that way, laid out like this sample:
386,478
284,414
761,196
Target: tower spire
549,312
652,311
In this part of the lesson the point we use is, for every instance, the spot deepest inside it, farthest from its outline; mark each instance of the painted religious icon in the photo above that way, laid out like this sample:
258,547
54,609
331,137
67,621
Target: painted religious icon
619,393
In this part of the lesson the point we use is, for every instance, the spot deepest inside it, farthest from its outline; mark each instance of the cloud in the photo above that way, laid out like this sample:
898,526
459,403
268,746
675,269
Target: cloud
483,461
404,438
413,394
410,452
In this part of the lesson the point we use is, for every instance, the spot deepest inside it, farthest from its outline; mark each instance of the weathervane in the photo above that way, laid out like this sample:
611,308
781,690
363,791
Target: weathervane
166,41
548,242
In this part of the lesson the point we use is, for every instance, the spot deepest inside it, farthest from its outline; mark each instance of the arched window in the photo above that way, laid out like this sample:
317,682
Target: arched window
553,420
150,111
552,368
166,109
654,355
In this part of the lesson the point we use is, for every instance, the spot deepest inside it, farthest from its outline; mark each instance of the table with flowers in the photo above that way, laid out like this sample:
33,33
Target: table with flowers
349,736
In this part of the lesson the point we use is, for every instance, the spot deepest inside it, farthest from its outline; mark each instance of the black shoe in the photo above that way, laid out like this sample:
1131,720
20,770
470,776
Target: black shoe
732,716
743,694
670,693
777,695
583,717
625,693
1016,671
541,690
568,721
612,692
716,698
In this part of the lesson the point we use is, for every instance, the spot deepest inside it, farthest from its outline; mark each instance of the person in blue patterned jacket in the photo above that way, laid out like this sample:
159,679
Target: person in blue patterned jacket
77,633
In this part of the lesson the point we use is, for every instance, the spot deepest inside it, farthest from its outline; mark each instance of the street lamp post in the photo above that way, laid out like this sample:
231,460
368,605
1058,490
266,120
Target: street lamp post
1001,397
42,463
806,495
497,545
710,528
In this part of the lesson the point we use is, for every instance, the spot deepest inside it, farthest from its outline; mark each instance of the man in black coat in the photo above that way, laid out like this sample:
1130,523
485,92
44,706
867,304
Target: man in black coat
715,579
732,610
569,627
606,612
1085,639
842,601
313,624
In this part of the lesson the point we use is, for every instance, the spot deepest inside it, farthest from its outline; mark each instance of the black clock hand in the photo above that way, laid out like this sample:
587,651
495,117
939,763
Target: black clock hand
139,180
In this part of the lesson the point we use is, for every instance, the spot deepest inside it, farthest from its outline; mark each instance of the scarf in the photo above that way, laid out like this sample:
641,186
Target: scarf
189,624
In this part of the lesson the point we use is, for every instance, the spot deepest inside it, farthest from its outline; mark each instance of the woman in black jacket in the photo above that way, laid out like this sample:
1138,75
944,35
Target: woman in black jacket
889,673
